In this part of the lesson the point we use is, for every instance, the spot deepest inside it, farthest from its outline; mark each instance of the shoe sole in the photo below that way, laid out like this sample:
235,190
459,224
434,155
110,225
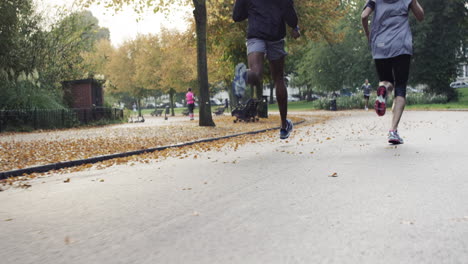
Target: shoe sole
380,106
395,142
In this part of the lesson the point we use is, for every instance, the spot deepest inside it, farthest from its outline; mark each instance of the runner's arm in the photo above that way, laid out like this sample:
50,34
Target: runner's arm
368,9
240,11
290,15
417,9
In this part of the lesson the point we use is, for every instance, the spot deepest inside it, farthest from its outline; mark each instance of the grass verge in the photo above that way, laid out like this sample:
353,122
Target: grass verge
462,104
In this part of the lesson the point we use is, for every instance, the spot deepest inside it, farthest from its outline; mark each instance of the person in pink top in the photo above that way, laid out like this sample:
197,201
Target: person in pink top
190,98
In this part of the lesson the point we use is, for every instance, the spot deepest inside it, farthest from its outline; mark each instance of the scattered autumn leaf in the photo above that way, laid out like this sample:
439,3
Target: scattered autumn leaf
39,148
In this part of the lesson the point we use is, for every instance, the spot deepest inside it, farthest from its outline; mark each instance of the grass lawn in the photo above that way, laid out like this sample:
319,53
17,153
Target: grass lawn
294,106
178,111
308,106
461,104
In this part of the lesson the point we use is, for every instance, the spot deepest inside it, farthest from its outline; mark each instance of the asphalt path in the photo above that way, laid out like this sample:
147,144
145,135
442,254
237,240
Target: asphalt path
334,193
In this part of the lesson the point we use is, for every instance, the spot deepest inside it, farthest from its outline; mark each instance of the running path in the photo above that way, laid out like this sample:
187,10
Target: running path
267,202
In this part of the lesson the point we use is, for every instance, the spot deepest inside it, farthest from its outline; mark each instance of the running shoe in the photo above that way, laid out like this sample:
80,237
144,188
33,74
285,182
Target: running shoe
380,101
394,138
285,132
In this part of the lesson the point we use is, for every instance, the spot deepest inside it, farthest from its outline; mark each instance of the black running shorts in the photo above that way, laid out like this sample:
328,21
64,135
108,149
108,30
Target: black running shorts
396,71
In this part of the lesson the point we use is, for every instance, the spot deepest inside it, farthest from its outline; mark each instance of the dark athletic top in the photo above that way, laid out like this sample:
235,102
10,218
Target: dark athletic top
267,18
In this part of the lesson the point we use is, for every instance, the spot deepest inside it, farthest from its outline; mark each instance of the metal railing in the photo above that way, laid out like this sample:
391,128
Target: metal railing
33,119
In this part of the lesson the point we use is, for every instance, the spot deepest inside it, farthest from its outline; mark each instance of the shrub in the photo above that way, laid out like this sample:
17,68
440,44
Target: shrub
356,101
26,92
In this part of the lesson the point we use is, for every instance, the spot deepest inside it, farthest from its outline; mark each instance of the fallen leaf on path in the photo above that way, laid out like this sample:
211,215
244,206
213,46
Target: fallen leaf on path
67,180
25,185
334,175
75,144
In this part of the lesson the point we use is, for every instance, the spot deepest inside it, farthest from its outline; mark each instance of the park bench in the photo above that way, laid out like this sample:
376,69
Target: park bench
157,112
136,119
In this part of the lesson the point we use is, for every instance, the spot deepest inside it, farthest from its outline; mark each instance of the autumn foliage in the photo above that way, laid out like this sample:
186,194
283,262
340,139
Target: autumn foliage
23,151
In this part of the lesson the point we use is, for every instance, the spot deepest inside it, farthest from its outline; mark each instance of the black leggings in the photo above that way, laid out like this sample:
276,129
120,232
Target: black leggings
396,71
190,108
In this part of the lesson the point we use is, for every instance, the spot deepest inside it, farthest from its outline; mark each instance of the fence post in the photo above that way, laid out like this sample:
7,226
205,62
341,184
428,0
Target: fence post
1,121
35,118
63,117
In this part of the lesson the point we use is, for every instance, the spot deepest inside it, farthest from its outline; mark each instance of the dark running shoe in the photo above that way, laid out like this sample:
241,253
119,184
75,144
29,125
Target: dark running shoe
380,101
285,132
394,138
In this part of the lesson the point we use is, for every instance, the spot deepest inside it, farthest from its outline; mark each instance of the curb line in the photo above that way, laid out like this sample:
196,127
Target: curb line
67,164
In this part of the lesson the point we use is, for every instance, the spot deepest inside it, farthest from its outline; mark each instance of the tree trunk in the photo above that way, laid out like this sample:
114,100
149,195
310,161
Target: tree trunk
199,13
272,87
171,99
230,93
139,107
309,94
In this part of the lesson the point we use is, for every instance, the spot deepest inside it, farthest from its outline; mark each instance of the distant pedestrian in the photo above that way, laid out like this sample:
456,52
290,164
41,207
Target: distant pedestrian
391,42
226,103
265,37
366,89
190,98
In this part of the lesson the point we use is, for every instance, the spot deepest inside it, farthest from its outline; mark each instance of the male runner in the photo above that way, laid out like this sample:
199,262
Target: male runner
265,37
366,89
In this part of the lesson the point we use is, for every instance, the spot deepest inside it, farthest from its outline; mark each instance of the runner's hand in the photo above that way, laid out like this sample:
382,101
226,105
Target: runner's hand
296,33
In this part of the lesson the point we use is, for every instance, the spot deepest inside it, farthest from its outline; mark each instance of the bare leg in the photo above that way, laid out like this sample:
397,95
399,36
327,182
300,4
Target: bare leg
255,72
277,72
399,106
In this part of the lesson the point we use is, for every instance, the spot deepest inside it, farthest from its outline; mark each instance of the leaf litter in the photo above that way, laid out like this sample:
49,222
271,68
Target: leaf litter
28,153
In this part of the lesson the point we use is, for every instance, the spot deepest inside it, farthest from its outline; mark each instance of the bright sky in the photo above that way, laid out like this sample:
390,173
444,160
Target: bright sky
123,25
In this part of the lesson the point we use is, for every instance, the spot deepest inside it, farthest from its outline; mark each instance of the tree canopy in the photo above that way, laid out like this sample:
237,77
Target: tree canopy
35,59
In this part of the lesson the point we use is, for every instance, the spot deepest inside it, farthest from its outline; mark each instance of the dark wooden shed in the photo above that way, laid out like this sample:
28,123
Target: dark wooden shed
84,94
